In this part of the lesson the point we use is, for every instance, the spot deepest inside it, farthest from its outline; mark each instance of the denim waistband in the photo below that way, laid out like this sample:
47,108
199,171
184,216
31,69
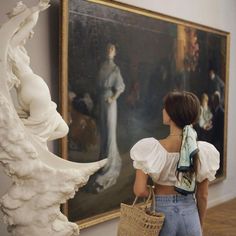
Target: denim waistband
174,198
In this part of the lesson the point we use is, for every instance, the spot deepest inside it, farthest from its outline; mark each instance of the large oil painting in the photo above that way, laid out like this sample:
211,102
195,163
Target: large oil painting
118,62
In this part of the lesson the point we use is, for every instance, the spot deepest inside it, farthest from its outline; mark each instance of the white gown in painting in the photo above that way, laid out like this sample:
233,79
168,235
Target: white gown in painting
111,85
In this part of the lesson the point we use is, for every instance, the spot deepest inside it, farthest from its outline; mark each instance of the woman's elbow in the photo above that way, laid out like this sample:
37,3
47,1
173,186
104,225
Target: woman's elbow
202,190
140,192
203,196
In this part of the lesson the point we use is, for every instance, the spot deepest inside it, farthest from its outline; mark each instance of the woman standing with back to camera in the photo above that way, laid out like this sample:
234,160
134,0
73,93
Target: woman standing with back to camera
179,165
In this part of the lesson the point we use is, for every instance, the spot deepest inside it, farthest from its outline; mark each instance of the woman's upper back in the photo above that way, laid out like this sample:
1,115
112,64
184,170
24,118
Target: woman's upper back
151,156
172,144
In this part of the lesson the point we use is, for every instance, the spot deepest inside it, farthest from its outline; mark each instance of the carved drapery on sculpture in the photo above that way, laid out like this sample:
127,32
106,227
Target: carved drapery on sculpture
41,180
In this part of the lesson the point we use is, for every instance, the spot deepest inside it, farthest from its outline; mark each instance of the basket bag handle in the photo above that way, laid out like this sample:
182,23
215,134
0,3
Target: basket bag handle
151,195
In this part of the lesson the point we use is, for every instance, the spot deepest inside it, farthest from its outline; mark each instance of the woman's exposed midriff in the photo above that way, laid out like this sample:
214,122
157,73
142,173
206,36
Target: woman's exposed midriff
164,190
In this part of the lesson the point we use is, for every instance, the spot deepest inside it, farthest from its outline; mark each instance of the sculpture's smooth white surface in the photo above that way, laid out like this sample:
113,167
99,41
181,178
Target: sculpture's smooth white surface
41,180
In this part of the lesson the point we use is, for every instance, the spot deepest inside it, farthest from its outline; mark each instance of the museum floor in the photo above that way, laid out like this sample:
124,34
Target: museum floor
221,220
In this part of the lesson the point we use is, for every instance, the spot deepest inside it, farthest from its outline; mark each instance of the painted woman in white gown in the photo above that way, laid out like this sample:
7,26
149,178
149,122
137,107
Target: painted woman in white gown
111,85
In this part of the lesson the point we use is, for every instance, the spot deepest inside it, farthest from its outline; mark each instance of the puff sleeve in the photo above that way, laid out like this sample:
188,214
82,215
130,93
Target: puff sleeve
209,161
148,156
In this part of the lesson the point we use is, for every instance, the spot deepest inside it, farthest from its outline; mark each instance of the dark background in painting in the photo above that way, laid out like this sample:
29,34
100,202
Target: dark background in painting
146,50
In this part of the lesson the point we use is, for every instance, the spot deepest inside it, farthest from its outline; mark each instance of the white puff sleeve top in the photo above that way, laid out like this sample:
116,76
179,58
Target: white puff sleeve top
153,159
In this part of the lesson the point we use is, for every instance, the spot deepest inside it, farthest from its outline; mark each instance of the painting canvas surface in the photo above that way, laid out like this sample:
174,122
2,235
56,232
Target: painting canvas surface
152,56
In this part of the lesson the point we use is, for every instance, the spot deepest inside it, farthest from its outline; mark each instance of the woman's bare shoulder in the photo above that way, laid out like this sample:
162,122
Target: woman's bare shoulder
171,144
163,141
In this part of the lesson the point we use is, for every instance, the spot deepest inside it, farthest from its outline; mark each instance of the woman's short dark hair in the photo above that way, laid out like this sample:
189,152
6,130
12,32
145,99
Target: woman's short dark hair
182,107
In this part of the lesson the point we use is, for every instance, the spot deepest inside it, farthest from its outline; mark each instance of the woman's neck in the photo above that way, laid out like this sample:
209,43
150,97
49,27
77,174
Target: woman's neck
175,131
110,60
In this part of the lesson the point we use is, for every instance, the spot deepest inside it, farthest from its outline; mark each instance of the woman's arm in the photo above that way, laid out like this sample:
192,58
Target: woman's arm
119,87
201,196
140,184
28,23
24,30
61,130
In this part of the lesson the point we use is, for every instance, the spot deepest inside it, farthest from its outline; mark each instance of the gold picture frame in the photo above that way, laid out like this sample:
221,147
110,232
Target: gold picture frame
150,45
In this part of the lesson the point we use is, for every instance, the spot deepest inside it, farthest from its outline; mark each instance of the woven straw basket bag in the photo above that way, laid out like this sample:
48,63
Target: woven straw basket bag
140,221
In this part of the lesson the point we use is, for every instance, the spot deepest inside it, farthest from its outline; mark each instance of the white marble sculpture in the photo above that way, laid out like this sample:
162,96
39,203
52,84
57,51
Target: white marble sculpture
41,180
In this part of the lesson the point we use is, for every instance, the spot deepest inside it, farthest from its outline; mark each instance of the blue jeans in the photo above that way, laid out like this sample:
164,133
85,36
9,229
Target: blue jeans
181,215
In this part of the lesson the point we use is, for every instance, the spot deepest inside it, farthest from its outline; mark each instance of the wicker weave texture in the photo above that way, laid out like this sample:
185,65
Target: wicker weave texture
135,221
